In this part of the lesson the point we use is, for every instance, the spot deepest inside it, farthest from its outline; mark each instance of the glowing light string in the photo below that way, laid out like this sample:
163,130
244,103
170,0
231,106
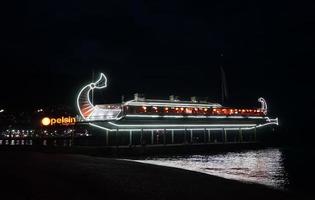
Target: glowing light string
108,113
197,117
182,125
235,127
263,105
90,112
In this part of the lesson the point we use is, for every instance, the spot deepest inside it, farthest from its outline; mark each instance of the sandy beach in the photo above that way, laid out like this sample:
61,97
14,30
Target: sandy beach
39,176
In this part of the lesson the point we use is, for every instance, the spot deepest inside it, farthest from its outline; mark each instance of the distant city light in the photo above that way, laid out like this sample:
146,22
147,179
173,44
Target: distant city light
1,110
46,121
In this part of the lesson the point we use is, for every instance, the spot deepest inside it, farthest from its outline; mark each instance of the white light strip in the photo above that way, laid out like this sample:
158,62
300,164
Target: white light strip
253,117
148,116
140,103
91,109
178,129
181,129
253,126
264,106
78,101
181,125
97,126
90,87
198,117
225,127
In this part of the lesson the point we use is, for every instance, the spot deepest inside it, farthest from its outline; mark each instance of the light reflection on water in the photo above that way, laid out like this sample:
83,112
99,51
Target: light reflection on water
260,166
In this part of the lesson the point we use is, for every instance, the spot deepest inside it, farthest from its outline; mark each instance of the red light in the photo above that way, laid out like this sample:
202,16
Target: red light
187,110
155,108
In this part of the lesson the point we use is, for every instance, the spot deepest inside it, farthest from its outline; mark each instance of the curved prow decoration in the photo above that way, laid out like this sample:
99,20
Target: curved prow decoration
90,112
263,105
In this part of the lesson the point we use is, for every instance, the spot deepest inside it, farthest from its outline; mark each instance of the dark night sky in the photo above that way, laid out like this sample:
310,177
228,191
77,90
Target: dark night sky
50,48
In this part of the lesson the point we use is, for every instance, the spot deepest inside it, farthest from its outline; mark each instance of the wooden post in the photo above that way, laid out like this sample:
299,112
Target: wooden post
172,136
225,136
222,135
107,142
152,137
241,135
255,134
130,138
141,137
209,136
116,137
204,135
191,136
164,137
185,136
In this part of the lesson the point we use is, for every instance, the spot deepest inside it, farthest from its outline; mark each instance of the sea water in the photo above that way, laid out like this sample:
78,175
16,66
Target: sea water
264,166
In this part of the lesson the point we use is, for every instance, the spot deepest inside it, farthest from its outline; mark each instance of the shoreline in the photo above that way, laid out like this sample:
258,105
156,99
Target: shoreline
62,176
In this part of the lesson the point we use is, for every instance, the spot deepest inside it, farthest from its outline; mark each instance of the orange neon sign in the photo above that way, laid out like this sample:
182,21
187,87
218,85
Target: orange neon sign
46,121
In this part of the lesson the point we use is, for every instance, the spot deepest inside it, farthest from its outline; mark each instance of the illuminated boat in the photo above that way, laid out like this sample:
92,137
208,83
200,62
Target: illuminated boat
149,114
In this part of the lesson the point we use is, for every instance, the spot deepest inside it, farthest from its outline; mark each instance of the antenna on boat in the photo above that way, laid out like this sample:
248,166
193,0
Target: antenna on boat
224,91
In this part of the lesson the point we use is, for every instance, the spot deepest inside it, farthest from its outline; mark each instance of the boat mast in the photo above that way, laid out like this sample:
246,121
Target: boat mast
92,99
224,91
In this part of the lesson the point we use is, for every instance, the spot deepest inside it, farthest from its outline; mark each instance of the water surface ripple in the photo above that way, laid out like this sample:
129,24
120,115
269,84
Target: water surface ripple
259,166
